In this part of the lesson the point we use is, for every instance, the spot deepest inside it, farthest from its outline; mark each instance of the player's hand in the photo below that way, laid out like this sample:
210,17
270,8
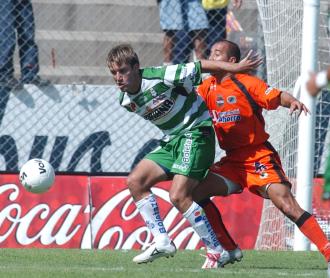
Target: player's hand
250,62
298,107
311,85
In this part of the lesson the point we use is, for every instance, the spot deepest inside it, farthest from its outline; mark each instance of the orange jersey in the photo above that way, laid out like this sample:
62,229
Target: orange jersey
236,123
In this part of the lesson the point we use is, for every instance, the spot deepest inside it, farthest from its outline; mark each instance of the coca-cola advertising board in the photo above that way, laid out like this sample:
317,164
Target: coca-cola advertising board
98,212
57,218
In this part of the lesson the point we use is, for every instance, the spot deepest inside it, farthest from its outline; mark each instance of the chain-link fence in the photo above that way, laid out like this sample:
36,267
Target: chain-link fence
75,122
74,36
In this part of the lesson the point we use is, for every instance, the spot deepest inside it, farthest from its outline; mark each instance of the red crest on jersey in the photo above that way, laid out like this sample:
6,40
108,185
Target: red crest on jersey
132,105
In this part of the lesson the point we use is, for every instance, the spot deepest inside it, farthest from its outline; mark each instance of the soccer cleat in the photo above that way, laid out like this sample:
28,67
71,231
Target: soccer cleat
211,260
155,252
232,256
221,259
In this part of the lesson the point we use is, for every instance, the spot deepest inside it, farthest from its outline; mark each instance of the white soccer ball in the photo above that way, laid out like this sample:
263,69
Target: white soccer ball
37,175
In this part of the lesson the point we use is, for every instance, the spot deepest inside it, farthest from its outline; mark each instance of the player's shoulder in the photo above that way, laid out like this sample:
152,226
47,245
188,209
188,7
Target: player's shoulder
153,72
244,77
206,83
208,79
250,81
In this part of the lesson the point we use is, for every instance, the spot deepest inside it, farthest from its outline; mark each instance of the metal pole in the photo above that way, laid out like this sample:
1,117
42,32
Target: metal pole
306,134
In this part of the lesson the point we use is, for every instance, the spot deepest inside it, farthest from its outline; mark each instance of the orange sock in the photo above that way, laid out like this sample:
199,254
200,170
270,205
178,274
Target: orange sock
213,215
312,230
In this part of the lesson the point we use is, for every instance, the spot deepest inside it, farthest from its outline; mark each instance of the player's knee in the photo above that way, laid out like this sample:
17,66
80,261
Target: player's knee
177,198
291,210
286,209
134,184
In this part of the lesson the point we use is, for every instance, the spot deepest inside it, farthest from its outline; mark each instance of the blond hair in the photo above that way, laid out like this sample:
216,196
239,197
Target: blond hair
122,54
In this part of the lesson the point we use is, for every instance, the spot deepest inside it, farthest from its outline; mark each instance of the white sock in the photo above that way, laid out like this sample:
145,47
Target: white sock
198,220
149,211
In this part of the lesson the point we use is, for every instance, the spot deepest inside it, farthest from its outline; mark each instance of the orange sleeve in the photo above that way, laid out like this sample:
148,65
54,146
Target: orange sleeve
264,95
203,88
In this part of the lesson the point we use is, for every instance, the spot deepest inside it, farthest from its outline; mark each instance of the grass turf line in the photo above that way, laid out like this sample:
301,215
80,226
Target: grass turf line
112,263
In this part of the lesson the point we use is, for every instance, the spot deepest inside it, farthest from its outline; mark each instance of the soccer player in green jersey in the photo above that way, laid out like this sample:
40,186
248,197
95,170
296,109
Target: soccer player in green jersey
166,97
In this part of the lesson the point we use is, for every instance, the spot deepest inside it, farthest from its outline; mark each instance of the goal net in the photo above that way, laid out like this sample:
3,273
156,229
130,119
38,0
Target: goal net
281,23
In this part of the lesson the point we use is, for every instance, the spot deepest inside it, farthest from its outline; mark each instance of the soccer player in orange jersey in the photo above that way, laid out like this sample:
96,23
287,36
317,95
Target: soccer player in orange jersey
235,102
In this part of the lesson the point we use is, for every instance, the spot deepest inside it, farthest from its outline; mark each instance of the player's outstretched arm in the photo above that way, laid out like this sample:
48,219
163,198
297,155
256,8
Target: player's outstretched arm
250,62
293,104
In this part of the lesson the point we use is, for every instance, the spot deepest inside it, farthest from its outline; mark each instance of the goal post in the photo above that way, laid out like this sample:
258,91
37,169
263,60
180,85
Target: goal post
296,36
306,128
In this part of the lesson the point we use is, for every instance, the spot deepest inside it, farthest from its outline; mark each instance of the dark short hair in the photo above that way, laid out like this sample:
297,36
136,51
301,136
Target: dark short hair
122,54
233,49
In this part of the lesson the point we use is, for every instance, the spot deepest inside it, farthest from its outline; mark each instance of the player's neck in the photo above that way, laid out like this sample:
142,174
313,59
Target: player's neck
222,77
136,88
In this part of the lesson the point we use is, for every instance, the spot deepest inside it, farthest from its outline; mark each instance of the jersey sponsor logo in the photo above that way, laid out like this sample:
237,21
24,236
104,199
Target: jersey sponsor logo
158,108
231,99
158,221
181,167
269,89
198,216
220,101
187,149
186,152
226,116
214,238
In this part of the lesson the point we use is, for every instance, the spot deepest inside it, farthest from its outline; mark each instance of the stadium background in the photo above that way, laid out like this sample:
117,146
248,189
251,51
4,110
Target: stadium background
78,126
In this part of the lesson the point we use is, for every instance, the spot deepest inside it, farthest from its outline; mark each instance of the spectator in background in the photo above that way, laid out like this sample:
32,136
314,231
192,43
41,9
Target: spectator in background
216,11
314,85
16,17
188,16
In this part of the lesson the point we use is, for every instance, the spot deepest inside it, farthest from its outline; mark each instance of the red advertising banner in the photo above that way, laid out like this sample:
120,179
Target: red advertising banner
98,212
118,225
57,218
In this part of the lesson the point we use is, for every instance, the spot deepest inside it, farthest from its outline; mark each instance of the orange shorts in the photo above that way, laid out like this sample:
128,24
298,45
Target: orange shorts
252,167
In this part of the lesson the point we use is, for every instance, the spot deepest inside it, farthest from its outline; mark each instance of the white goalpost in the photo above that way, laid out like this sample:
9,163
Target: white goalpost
297,41
306,132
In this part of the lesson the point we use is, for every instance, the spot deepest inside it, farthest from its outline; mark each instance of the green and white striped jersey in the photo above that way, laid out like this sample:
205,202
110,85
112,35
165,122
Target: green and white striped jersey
168,99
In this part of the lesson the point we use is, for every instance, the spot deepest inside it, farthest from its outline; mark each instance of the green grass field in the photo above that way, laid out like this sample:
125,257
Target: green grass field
86,263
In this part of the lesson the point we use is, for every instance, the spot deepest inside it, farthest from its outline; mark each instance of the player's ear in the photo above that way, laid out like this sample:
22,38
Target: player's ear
136,66
233,60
